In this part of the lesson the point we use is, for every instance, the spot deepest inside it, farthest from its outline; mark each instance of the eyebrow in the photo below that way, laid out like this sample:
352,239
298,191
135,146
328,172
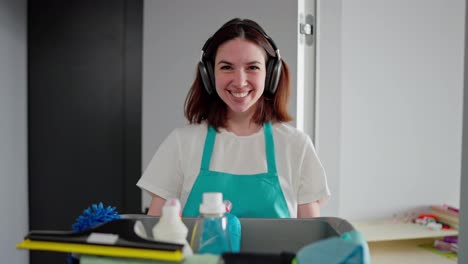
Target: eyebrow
230,63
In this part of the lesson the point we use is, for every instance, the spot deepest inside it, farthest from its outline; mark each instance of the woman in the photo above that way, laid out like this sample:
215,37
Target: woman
237,141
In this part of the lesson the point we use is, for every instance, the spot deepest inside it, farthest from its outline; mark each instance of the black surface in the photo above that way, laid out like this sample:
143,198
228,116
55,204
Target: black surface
121,227
257,258
84,110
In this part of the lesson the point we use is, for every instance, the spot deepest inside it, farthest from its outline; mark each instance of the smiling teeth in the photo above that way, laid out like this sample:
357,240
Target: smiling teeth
239,95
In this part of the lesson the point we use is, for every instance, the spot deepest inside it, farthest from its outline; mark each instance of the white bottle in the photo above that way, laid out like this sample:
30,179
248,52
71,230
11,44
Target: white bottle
170,227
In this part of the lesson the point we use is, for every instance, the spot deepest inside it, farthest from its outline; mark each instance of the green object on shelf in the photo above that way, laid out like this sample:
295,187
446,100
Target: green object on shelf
430,247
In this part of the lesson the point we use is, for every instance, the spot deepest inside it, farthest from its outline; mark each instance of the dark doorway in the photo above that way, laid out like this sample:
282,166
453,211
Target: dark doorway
84,110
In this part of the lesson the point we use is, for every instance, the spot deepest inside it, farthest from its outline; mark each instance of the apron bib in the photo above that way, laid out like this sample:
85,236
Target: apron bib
252,195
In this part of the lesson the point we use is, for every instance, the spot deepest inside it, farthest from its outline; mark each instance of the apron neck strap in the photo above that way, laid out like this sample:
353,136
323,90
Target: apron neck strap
208,149
269,148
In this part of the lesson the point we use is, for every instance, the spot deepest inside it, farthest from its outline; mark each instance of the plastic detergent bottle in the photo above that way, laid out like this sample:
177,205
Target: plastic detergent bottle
210,234
170,227
234,227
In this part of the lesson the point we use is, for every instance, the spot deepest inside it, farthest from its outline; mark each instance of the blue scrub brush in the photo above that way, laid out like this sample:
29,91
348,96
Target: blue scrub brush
92,216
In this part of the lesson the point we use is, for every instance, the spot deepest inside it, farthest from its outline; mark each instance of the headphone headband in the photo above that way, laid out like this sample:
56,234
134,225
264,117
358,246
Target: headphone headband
242,23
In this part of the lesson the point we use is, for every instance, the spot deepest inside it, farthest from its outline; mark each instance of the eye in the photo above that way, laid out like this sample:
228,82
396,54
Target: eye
254,68
225,67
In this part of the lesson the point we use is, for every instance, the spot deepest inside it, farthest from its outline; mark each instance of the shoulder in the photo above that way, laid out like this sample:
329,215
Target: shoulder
190,129
286,131
189,132
291,140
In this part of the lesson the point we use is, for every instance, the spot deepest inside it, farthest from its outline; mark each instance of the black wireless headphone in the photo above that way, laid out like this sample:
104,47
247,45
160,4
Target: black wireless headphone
273,69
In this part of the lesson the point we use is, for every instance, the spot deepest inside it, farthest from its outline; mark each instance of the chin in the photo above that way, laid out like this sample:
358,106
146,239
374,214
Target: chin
240,110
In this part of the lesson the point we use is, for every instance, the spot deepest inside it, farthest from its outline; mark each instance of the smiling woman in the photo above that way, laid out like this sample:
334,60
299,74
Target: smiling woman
238,103
235,50
240,70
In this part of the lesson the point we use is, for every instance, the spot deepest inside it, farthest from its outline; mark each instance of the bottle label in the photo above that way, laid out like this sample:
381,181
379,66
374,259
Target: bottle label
213,237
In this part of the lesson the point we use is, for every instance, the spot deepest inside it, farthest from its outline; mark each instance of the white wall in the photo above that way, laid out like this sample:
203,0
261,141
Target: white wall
328,96
400,103
174,33
13,160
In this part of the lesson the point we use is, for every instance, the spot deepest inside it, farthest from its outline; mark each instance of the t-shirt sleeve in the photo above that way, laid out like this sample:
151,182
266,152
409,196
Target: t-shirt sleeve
313,184
163,176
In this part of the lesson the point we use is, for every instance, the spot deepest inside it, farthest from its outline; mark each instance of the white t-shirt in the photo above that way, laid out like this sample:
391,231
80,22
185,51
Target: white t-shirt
176,164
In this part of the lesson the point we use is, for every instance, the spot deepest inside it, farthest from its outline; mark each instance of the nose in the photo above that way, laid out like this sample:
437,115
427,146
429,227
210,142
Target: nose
240,78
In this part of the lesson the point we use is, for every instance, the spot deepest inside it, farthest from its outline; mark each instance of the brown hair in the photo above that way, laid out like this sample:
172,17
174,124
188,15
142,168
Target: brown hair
200,106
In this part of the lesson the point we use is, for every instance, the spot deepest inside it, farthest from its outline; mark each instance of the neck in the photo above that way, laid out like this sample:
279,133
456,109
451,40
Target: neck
242,125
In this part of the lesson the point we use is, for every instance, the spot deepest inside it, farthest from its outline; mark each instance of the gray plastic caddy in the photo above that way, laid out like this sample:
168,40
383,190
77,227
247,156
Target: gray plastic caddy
268,235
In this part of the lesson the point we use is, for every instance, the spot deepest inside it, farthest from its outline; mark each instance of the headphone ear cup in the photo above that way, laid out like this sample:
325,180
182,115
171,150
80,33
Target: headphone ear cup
206,73
269,70
273,75
211,77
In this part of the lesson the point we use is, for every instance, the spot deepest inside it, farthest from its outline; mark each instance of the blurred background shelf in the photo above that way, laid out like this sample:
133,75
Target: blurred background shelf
391,242
386,231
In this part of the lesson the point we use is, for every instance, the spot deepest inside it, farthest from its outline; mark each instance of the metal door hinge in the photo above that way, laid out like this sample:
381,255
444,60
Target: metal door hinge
306,29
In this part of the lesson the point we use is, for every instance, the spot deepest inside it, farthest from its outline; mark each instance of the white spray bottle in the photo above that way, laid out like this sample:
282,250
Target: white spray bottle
170,227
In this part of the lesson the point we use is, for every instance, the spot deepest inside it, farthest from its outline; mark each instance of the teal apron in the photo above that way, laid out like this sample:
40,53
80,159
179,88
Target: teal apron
254,196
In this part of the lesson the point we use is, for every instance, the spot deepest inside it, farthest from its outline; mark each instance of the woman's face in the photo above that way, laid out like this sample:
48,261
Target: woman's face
240,72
